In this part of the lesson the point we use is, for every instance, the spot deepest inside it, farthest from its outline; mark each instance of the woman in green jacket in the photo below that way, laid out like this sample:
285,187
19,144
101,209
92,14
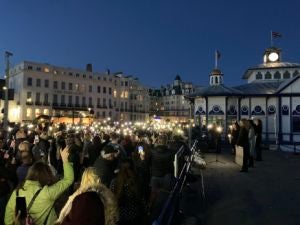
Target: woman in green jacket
40,177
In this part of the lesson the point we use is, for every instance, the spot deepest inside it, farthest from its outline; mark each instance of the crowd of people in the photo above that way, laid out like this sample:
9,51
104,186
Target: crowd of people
83,177
248,135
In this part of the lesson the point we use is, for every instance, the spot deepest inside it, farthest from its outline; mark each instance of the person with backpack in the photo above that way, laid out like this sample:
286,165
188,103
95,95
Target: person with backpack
40,192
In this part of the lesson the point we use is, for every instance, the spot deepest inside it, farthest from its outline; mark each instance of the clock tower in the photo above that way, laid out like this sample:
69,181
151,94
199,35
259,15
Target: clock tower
272,55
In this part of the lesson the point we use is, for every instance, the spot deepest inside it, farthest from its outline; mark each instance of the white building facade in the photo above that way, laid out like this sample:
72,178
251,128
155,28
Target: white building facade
169,101
272,94
43,89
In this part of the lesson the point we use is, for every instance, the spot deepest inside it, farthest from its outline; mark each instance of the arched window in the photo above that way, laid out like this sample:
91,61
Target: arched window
221,81
216,80
295,73
268,76
258,76
286,75
277,75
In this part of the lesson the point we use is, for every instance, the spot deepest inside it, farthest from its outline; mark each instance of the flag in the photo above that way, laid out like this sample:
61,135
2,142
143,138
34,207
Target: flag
276,34
218,54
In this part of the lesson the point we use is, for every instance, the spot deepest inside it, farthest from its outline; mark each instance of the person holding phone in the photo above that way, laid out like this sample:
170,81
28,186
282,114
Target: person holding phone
141,160
40,178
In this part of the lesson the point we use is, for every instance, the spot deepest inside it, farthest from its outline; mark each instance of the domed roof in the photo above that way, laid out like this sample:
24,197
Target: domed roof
216,72
177,77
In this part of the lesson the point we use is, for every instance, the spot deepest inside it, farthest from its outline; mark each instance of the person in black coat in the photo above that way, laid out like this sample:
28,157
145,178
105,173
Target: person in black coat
106,164
162,169
258,132
243,141
234,134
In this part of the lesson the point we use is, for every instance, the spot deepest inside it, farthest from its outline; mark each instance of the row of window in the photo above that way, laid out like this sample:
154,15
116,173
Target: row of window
63,86
62,101
47,70
77,87
184,91
37,112
277,75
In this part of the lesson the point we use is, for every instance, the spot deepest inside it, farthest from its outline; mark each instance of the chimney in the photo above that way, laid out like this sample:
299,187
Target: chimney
89,67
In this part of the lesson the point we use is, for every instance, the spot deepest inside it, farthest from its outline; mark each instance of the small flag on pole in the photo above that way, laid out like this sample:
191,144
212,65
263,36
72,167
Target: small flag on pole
218,54
217,57
276,34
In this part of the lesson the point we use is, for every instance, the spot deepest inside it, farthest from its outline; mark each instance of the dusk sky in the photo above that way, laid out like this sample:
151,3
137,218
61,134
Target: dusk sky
153,40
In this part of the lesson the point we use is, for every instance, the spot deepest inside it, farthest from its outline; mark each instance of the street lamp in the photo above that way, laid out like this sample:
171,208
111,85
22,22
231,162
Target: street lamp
89,116
5,115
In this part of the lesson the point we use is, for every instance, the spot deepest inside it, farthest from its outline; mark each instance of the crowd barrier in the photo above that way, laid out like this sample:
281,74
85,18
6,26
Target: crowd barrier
171,205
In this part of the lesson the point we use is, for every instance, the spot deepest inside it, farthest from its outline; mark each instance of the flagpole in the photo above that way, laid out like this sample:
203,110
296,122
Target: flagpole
271,39
216,60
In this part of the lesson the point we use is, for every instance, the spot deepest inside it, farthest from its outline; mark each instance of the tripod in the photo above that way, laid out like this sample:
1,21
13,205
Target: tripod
218,150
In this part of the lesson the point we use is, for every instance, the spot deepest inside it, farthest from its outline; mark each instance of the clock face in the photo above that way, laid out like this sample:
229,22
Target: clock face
273,57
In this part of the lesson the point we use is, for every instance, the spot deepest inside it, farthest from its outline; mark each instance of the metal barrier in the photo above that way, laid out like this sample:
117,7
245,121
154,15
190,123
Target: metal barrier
168,212
177,157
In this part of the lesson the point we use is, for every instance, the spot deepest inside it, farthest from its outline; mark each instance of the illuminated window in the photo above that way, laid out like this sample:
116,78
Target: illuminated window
76,87
28,112
37,112
46,112
122,94
55,71
46,70
126,94
83,88
115,93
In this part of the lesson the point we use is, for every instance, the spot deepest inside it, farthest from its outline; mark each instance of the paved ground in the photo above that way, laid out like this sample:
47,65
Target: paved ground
269,194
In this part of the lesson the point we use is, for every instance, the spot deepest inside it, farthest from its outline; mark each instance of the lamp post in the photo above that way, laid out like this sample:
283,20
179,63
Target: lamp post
89,116
5,115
